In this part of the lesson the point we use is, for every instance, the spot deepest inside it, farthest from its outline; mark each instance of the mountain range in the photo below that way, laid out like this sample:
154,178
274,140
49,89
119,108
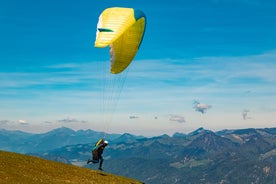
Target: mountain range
23,142
202,156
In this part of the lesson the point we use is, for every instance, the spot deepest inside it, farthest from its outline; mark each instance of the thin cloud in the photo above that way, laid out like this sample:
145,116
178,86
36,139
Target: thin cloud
64,66
201,107
170,72
71,120
177,118
133,117
4,122
219,69
245,114
23,122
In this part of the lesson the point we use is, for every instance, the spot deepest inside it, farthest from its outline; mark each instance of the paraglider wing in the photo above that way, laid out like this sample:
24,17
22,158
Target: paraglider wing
122,29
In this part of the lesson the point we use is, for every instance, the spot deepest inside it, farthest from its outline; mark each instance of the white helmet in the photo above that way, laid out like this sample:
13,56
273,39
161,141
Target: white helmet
106,142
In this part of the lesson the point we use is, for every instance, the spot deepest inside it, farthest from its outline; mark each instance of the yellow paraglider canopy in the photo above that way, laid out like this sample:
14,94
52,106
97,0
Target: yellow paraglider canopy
122,29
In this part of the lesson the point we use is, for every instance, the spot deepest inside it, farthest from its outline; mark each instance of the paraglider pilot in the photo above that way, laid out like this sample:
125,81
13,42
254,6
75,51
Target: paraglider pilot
97,153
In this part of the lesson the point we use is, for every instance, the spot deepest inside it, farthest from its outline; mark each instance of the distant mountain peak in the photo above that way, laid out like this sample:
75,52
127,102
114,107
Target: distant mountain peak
127,138
127,135
178,134
163,136
62,129
198,131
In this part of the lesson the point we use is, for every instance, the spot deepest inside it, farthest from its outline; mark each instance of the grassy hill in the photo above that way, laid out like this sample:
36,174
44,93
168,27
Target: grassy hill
17,168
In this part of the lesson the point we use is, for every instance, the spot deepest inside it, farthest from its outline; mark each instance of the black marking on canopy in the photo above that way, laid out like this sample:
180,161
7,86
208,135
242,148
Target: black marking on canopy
105,30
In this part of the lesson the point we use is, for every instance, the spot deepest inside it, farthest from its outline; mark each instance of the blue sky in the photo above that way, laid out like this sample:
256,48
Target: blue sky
221,53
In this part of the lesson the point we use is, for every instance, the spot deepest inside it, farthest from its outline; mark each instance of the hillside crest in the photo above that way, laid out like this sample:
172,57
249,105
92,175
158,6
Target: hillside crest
17,168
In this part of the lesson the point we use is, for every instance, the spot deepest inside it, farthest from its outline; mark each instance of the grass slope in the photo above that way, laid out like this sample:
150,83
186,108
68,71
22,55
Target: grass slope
17,168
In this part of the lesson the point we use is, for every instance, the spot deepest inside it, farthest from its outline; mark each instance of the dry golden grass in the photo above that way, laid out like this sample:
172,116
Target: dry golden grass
17,168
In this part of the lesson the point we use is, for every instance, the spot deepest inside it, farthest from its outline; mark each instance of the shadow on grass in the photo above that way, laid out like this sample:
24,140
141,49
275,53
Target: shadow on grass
102,174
